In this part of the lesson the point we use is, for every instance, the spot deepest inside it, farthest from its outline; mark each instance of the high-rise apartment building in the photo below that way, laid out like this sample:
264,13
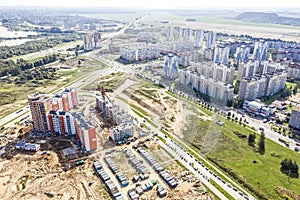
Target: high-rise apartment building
260,51
293,70
85,132
215,71
253,68
211,40
187,35
61,123
171,66
247,70
262,85
39,106
65,101
242,54
211,81
139,52
92,41
198,38
221,54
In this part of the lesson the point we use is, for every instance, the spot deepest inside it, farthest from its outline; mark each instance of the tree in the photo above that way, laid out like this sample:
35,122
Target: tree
262,143
229,114
289,168
251,140
295,90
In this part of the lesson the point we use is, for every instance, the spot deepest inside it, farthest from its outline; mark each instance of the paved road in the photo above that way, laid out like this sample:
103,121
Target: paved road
269,133
256,123
179,152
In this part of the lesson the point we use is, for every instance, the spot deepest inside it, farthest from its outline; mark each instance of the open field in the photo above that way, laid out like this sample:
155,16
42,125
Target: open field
109,82
15,96
126,16
234,155
225,25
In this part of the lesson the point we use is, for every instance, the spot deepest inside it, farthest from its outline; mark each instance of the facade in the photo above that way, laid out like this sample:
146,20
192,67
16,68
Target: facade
39,106
65,101
209,54
171,66
92,41
85,132
295,118
276,82
61,123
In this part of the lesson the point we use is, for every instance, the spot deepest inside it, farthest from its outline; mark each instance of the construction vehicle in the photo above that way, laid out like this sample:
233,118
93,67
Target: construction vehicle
79,162
49,194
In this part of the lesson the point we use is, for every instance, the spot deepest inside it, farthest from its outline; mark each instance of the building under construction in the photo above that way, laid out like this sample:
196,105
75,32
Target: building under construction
120,122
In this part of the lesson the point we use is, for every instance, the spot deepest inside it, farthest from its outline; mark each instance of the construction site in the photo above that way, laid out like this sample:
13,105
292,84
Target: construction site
59,169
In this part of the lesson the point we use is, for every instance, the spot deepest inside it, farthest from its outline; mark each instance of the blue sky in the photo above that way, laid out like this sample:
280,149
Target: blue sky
157,3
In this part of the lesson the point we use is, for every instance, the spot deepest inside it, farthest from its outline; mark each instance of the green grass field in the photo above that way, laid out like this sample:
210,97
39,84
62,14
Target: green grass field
11,93
233,153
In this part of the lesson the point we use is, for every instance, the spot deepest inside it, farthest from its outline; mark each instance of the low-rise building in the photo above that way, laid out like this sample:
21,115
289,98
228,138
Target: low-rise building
257,108
22,145
295,118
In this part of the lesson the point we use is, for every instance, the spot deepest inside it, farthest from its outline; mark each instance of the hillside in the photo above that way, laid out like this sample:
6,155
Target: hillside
272,18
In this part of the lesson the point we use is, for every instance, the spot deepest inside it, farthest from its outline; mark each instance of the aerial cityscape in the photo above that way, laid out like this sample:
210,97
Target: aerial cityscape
131,100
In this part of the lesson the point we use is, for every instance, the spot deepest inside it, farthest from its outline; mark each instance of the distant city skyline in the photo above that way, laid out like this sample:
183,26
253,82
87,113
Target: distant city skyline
158,4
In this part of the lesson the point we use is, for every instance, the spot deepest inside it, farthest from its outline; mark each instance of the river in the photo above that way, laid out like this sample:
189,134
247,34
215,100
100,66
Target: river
5,33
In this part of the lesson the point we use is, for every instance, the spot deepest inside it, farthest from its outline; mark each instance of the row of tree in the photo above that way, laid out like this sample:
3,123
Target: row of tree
9,67
261,144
